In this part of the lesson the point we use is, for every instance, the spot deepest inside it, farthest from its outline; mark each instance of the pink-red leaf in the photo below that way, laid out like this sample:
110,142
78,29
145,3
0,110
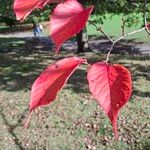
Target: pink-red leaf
148,26
111,86
23,8
68,19
51,80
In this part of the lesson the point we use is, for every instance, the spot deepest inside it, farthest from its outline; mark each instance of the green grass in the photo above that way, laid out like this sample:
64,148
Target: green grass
74,120
112,26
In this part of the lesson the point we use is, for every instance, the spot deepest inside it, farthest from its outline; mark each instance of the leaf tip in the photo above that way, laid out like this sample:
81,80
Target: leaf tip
26,124
113,118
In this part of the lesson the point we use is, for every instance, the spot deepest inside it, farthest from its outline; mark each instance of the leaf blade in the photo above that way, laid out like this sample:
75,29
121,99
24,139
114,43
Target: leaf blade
23,8
51,80
68,19
111,85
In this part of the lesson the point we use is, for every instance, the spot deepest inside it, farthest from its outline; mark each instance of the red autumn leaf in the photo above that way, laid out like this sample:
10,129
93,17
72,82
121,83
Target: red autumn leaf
68,19
111,86
148,26
23,8
50,82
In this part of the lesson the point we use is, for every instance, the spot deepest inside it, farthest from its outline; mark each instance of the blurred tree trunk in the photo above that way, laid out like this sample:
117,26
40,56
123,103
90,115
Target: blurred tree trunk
82,39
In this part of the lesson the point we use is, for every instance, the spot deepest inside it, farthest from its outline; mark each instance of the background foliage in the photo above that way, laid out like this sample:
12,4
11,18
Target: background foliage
128,8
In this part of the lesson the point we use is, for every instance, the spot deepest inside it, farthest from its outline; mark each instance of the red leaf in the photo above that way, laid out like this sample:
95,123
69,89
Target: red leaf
23,8
51,80
111,86
68,19
148,26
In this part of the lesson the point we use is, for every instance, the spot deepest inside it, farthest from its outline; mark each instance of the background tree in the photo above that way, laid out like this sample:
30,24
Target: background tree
129,9
6,14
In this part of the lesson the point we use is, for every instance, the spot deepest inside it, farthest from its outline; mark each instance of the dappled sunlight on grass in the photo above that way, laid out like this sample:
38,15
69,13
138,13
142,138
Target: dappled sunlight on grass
74,120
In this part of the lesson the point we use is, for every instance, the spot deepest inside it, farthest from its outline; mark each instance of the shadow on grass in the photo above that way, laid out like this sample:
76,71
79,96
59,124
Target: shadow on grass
17,28
78,82
123,47
12,127
22,60
141,94
25,45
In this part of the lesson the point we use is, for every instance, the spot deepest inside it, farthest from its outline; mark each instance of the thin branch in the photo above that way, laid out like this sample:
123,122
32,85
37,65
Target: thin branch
101,30
114,41
108,54
122,37
145,18
123,26
86,63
